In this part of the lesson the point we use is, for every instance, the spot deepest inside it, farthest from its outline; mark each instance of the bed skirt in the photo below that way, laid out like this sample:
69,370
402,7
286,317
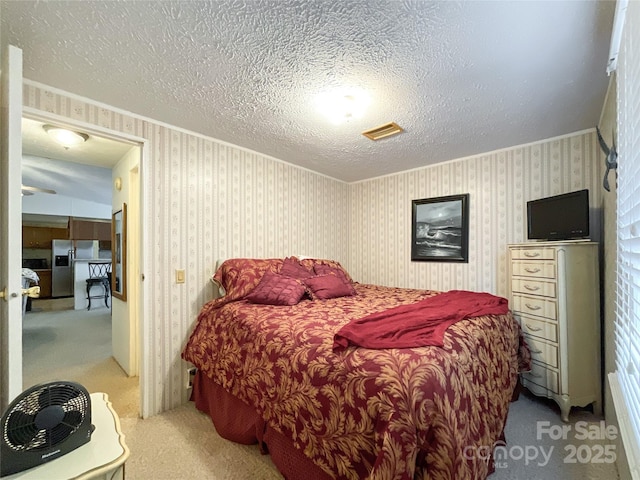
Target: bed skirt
236,421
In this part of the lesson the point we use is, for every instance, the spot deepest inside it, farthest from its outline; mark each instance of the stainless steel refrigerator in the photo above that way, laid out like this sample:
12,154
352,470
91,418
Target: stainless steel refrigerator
64,252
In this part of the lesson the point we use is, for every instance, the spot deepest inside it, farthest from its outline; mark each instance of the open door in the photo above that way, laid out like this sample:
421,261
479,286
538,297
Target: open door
125,302
11,231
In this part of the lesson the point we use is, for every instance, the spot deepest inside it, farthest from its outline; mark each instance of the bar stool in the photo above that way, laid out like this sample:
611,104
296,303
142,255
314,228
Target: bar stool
99,274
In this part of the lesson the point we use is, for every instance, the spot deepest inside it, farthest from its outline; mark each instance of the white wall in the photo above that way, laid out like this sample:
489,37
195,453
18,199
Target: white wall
46,204
123,319
82,190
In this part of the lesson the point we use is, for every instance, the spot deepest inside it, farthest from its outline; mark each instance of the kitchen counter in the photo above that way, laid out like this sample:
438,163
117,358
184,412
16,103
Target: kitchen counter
80,275
44,274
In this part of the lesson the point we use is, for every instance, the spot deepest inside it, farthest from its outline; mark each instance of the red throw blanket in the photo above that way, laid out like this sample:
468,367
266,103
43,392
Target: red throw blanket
418,324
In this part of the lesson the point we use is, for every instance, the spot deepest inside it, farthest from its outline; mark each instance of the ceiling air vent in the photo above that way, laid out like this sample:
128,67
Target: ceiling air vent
383,131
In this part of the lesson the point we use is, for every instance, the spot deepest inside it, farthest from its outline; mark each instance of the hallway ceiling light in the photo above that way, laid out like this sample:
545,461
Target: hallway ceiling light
64,136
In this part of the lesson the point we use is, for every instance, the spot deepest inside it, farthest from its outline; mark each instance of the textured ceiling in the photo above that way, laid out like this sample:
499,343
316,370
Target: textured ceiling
460,77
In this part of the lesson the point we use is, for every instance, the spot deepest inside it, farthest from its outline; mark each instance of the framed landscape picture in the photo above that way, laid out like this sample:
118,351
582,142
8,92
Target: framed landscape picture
440,229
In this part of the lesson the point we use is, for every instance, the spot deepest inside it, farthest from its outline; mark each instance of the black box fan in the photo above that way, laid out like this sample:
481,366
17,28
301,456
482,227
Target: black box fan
43,423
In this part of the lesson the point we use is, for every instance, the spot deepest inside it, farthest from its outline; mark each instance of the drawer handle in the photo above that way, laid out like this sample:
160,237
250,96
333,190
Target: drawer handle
531,254
536,352
533,329
532,307
531,288
535,375
531,270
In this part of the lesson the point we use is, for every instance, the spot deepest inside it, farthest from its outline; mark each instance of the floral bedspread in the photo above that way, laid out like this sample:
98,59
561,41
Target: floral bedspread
359,413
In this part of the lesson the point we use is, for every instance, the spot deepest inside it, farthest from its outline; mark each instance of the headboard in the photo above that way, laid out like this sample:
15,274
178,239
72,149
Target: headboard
219,290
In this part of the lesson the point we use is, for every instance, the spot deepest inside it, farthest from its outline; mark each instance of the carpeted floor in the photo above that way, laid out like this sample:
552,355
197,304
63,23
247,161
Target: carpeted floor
196,451
182,444
534,451
75,345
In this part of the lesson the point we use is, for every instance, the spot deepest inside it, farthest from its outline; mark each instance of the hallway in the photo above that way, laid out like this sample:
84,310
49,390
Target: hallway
60,343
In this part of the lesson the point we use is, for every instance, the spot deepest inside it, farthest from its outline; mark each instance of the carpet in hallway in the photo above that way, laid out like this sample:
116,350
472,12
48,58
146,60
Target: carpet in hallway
75,345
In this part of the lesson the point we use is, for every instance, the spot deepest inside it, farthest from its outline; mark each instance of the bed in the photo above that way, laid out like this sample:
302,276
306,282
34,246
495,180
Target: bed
273,368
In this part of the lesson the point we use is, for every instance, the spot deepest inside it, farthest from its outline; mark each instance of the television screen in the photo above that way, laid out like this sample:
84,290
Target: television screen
561,217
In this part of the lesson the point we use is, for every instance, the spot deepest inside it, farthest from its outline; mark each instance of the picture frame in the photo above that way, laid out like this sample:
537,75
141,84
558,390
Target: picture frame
119,254
440,229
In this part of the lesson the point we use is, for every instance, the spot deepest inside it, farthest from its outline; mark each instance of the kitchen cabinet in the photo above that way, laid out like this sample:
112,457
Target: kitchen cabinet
90,230
40,237
103,231
45,283
36,237
59,233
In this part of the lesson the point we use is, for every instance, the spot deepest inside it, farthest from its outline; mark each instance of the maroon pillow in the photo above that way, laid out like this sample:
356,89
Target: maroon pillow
323,287
239,276
292,268
311,264
321,269
275,289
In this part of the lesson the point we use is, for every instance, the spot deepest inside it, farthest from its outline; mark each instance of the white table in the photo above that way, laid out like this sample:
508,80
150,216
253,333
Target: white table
102,457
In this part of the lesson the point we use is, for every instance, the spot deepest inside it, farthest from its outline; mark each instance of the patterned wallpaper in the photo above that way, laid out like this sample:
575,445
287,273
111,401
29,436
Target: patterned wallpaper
499,183
206,200
607,127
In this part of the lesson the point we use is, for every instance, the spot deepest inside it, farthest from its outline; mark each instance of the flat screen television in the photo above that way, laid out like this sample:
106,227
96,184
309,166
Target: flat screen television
561,217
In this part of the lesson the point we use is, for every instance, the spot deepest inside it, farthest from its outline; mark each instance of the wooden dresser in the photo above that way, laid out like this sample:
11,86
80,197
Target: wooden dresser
555,295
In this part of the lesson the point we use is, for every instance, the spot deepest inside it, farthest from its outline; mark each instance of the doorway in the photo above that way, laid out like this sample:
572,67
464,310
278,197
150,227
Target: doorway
62,339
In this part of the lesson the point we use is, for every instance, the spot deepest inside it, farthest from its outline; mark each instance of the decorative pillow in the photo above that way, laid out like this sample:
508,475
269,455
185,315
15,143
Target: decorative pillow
323,287
292,268
239,276
312,263
322,269
275,289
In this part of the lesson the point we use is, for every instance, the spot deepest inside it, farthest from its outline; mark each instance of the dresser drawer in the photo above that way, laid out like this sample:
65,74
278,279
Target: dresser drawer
542,376
542,269
534,287
542,307
533,253
538,328
542,352
537,389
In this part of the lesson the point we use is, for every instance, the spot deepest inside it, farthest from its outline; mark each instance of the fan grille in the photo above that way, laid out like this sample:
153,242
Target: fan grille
21,431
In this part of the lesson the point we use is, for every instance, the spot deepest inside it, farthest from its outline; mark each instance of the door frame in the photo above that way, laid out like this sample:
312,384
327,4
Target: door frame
142,344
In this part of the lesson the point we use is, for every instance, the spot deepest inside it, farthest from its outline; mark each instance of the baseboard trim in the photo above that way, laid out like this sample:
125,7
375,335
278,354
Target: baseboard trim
629,440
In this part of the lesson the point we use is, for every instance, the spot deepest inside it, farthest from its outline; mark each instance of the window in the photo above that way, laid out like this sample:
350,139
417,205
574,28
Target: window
628,231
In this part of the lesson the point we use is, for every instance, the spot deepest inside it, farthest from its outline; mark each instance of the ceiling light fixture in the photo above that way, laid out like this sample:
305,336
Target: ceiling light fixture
64,136
342,106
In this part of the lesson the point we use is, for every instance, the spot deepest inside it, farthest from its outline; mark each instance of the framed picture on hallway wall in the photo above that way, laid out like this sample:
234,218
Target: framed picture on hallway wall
440,229
119,253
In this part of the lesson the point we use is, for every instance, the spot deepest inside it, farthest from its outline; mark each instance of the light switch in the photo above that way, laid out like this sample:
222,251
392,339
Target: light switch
179,276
